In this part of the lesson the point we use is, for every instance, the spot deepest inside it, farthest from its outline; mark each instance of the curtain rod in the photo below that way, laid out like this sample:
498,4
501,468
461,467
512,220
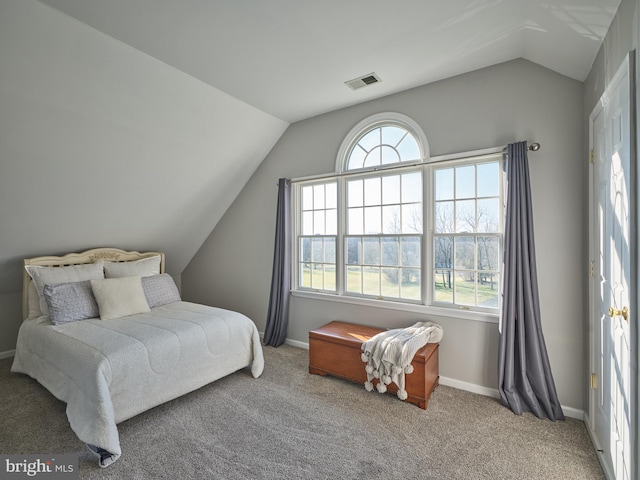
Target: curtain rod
534,147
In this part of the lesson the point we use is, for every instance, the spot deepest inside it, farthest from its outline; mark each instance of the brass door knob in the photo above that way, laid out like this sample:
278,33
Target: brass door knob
614,312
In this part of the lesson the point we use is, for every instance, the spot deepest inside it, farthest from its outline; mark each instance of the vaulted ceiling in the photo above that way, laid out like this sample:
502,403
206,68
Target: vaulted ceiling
290,58
136,123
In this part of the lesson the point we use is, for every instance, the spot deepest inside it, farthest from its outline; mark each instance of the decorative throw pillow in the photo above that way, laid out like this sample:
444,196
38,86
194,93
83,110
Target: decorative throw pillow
160,290
143,268
33,302
119,297
42,276
70,302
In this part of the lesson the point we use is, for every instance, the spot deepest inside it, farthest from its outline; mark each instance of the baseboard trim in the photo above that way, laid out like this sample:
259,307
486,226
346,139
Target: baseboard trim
7,354
461,385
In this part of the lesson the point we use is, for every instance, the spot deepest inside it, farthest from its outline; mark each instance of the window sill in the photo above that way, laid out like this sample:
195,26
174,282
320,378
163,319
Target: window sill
405,307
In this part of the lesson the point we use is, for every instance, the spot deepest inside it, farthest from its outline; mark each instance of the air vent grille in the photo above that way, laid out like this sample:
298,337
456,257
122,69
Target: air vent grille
363,81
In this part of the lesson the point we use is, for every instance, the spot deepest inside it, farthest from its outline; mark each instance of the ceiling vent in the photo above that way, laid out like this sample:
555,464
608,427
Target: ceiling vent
363,81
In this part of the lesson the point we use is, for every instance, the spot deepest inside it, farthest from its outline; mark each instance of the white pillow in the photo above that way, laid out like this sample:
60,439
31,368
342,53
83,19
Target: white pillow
42,276
33,301
143,268
119,297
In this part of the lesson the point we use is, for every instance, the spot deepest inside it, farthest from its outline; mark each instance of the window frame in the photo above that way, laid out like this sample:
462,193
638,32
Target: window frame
426,165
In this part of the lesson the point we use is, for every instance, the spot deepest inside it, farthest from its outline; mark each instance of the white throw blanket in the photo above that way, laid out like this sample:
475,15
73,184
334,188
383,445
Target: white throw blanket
389,354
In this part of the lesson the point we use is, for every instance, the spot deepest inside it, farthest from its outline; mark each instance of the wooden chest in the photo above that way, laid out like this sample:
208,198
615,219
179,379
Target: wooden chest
335,349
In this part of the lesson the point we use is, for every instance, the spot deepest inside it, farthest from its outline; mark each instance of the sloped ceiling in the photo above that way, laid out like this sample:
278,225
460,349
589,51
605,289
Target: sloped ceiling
135,123
103,145
290,58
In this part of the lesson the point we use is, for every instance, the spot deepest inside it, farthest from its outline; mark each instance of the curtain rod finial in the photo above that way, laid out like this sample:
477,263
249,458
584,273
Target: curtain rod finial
534,147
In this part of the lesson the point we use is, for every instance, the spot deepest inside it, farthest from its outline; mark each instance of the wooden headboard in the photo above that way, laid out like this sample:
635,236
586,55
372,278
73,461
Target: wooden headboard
89,256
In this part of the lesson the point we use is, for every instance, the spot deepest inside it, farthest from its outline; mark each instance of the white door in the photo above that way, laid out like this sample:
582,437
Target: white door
612,399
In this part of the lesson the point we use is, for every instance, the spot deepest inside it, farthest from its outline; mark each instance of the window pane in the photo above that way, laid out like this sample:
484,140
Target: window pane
390,247
331,195
464,252
391,219
329,250
465,288
316,249
443,221
372,192
443,286
391,135
412,218
371,251
307,223
488,290
354,279
411,284
372,219
373,158
488,179
391,190
318,197
354,251
305,275
356,225
355,193
307,198
466,216
465,181
331,220
371,281
318,222
356,159
390,284
305,249
370,139
410,251
443,252
412,187
389,155
444,184
329,277
409,149
489,215
488,253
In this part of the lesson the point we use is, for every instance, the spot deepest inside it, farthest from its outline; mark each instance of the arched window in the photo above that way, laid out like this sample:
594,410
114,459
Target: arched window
382,140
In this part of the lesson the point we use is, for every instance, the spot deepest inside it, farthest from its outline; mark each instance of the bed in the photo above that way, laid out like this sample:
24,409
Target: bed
106,332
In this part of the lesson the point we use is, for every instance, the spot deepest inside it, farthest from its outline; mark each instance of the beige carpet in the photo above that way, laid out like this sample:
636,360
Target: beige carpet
288,424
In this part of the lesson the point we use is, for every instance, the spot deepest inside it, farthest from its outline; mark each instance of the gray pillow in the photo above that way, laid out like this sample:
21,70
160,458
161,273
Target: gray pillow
160,290
70,302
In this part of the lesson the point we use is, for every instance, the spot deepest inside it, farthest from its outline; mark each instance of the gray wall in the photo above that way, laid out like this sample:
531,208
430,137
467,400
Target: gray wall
103,145
513,101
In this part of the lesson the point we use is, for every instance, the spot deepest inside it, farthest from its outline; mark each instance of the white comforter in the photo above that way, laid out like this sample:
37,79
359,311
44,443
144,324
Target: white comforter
109,371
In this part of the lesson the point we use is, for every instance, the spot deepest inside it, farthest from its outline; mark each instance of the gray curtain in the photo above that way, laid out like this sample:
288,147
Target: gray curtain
278,315
525,380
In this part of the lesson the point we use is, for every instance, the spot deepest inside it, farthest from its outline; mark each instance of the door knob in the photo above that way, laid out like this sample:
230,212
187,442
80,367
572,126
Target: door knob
614,312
